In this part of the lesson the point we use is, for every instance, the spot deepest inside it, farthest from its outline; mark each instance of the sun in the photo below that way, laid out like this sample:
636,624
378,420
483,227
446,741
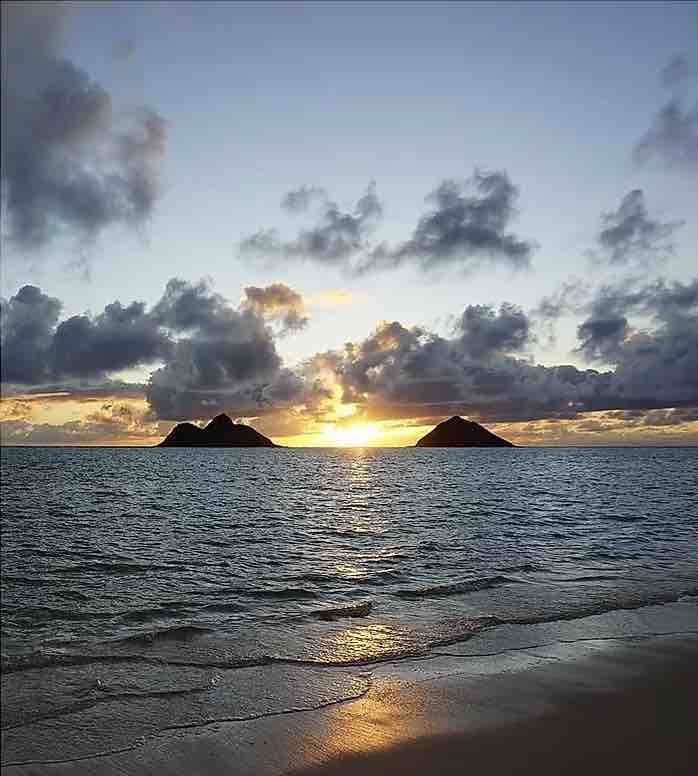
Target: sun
354,435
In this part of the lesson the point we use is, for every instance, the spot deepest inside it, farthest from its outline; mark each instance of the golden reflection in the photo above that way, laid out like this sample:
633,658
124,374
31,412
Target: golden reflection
368,641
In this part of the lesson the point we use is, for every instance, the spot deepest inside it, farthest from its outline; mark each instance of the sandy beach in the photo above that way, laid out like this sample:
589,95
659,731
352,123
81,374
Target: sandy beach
607,705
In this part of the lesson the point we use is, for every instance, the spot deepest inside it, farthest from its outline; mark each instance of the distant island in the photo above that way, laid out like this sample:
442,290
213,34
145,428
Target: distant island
220,432
457,432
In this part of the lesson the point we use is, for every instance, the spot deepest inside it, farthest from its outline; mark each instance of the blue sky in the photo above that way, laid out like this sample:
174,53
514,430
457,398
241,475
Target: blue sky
261,98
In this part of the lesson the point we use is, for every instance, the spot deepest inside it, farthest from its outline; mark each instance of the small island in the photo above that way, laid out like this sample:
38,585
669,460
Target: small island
220,432
458,432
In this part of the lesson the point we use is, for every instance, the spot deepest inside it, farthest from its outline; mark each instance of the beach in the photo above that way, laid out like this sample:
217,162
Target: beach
555,699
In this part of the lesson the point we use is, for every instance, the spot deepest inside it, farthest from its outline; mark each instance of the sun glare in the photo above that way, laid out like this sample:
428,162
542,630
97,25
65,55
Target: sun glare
354,435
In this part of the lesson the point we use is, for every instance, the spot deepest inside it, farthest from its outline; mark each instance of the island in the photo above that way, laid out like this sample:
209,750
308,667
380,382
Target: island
458,432
220,432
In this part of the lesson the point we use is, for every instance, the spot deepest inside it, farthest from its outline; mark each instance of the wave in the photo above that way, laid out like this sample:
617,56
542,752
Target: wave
145,615
283,593
361,609
455,588
175,633
596,578
524,567
117,568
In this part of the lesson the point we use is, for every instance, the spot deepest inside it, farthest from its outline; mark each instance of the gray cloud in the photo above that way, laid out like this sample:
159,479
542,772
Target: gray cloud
672,138
300,199
657,367
334,239
675,71
36,351
409,372
118,338
226,361
277,302
629,234
27,322
484,331
70,163
214,356
468,225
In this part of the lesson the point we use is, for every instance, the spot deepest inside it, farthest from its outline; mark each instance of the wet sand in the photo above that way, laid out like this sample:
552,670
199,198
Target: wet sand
647,725
611,706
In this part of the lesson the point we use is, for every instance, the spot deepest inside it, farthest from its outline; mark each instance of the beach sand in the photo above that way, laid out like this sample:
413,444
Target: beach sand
601,706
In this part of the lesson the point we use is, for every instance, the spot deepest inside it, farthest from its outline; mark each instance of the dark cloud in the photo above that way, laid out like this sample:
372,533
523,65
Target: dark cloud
277,302
411,372
672,138
407,372
27,322
118,338
226,362
335,239
675,71
484,331
70,163
36,351
214,356
468,225
655,367
629,234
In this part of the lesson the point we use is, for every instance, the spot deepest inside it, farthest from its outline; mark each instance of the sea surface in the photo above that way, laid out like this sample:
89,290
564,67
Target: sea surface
197,585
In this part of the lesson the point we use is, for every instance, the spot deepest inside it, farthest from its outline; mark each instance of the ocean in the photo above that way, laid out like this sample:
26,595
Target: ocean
180,587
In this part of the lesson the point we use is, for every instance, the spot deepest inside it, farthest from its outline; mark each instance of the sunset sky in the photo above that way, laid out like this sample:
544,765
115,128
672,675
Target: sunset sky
345,222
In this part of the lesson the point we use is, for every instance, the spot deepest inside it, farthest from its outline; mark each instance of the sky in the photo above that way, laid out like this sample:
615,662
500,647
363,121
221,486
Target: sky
345,222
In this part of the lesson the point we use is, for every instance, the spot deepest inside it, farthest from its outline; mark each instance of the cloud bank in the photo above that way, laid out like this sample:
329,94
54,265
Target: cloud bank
209,356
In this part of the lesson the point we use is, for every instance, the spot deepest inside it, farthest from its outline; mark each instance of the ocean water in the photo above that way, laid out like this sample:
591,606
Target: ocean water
172,587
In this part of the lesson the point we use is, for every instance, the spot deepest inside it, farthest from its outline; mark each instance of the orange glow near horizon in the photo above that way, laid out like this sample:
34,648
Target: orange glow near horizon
127,421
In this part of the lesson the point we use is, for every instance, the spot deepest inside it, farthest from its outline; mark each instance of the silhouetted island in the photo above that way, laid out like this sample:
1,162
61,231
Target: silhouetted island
220,432
458,432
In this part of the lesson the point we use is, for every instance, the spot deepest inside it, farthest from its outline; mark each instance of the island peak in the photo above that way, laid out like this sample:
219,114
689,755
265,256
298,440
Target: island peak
221,431
459,432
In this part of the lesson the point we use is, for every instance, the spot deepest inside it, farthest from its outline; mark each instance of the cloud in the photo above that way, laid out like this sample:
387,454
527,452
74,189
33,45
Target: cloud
672,138
34,350
676,71
468,226
334,239
279,303
300,199
27,322
629,234
403,371
214,356
70,163
227,359
484,331
118,338
655,367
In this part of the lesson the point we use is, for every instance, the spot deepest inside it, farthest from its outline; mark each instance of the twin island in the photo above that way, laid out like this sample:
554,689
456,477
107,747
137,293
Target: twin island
222,432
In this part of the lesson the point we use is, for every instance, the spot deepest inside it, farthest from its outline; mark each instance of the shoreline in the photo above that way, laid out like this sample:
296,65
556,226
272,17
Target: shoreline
618,703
